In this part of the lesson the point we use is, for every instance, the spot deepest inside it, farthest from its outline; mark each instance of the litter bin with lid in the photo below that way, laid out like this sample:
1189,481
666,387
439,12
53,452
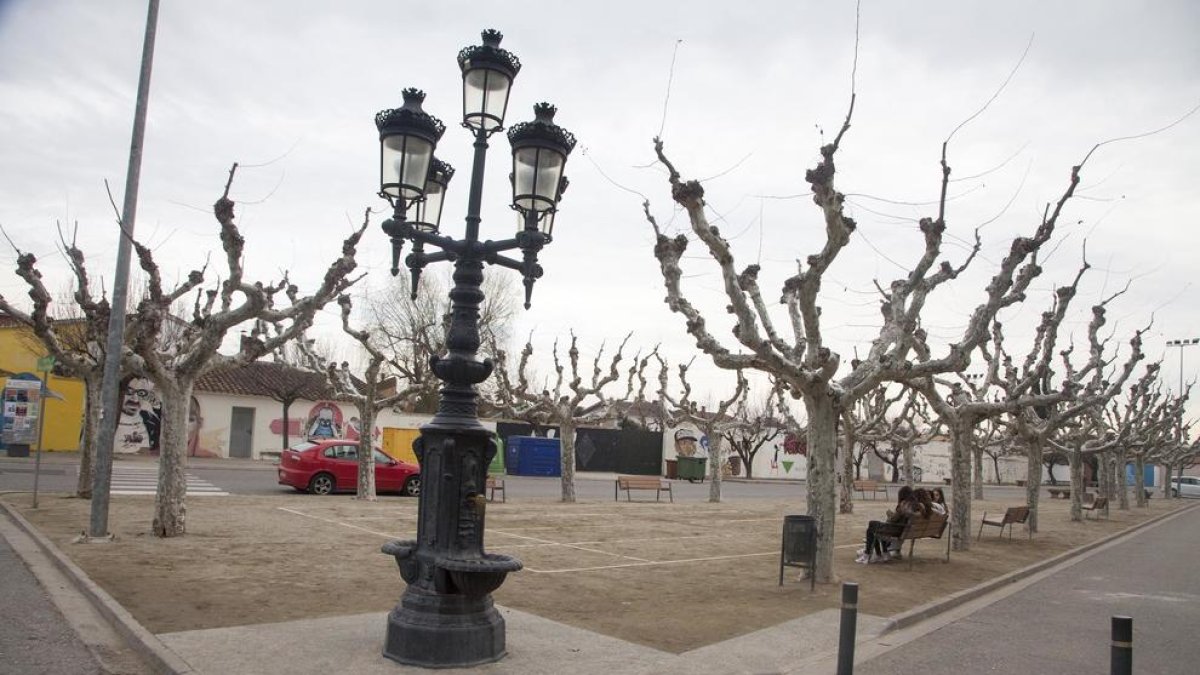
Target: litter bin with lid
799,547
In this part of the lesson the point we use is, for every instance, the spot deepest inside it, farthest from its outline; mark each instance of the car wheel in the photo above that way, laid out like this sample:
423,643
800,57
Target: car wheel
321,484
412,486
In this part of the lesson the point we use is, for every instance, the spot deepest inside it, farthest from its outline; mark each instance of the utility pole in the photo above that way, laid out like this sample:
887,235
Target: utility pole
1187,342
102,479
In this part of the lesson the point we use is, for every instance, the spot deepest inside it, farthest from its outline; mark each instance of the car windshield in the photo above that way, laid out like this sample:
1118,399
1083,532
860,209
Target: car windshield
381,458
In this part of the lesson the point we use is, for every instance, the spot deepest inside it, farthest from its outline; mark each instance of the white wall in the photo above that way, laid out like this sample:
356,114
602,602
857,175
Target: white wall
770,462
217,412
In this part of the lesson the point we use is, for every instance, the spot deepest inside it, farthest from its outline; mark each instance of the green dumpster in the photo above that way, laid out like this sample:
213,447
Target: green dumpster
691,468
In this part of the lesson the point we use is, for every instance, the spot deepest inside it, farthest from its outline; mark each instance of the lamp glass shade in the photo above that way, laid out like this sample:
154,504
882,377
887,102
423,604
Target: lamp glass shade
485,98
536,174
404,165
429,210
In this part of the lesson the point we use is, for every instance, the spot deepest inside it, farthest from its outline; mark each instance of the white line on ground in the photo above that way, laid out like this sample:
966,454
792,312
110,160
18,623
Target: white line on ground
649,563
338,522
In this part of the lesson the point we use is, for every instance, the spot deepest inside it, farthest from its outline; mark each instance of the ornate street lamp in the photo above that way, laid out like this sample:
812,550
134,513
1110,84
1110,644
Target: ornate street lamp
446,617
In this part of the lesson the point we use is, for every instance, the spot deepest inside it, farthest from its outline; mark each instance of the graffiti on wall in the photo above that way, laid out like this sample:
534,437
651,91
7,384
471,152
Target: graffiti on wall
324,421
139,431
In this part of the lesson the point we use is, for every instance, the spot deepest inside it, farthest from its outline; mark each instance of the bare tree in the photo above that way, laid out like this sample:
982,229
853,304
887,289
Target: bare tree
807,366
912,425
78,344
569,404
681,408
410,327
863,417
175,367
755,427
368,394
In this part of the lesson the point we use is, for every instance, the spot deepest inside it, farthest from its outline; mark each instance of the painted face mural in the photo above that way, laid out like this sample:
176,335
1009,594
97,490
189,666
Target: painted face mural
686,442
141,418
325,421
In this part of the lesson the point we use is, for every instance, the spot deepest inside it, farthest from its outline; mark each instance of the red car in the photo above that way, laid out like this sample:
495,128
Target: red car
323,467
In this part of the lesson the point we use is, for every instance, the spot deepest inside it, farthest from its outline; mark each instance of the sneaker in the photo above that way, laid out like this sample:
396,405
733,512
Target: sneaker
895,555
878,558
862,558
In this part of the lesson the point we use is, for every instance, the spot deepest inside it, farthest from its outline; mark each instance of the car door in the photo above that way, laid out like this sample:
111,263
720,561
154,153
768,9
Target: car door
345,466
1189,487
388,475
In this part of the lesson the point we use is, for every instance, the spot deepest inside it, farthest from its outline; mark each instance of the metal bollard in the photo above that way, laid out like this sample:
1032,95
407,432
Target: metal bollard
846,636
1122,646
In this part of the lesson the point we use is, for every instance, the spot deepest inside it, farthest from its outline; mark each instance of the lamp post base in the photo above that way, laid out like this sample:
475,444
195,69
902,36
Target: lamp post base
434,630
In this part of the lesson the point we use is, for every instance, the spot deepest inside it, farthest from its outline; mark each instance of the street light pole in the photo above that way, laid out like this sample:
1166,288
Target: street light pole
446,616
1187,342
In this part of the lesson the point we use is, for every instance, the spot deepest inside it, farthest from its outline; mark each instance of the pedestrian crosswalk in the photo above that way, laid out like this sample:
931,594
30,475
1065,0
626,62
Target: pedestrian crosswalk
143,480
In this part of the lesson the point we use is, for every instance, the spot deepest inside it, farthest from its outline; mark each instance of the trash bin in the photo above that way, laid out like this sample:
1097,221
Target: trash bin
799,547
672,469
691,468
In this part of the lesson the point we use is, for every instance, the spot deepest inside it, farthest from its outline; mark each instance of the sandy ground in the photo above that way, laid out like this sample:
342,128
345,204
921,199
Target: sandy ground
670,576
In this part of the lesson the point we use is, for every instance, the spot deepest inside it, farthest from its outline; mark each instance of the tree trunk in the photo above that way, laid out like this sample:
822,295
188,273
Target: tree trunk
716,459
960,485
1178,479
908,465
87,442
977,469
996,468
1122,488
366,454
286,424
1033,482
1075,458
1139,479
169,508
566,433
822,493
1166,474
848,473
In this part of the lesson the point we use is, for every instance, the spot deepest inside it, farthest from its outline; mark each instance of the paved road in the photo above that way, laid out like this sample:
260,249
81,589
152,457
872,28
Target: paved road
35,639
1060,624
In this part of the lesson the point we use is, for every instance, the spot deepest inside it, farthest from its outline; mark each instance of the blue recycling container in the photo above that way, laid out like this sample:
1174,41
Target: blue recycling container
533,456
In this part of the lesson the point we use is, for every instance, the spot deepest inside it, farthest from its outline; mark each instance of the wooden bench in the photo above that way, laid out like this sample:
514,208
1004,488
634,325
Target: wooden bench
873,487
1097,504
494,485
629,483
916,528
1055,493
1012,515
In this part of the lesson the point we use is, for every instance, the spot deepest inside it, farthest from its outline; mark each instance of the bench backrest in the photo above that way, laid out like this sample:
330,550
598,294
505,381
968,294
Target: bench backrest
919,527
1100,503
639,482
1016,514
866,484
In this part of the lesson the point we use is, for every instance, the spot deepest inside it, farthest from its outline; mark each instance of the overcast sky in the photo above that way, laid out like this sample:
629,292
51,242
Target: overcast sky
289,88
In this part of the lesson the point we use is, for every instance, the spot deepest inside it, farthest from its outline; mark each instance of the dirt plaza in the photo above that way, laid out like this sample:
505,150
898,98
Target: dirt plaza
670,576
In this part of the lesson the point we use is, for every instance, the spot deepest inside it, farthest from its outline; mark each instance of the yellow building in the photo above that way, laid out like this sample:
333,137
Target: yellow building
19,352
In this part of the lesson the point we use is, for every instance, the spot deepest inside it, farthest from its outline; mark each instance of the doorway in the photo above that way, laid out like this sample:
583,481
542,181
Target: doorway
241,433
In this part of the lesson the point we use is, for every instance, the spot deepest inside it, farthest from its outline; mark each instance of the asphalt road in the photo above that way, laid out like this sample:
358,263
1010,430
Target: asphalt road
240,477
1061,624
35,639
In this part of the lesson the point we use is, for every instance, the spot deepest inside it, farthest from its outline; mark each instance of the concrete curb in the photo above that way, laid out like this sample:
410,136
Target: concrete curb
158,655
935,607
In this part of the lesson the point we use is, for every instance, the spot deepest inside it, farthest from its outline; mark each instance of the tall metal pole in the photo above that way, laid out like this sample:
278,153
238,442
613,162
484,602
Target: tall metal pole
37,462
102,478
1178,422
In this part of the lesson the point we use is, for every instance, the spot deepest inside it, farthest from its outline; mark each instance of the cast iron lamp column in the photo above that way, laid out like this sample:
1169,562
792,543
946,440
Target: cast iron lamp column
446,617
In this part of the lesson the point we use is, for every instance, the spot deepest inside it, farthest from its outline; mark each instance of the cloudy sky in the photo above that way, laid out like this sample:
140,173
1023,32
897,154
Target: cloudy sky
742,94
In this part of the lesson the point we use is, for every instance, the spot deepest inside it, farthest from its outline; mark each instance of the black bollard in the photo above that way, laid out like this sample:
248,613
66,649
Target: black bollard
846,636
1122,646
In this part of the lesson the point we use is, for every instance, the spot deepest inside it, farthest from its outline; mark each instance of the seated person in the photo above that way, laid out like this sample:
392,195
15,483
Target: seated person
939,501
906,504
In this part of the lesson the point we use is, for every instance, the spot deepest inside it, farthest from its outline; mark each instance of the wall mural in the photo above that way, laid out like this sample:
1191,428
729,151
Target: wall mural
139,430
324,421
